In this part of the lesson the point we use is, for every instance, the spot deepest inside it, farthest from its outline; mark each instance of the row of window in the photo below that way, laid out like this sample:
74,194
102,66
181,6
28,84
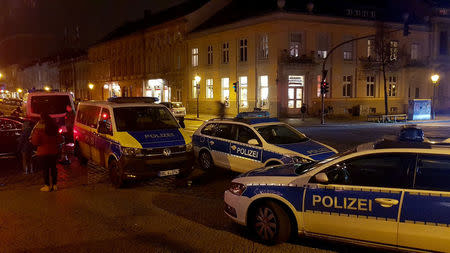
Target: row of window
263,91
296,47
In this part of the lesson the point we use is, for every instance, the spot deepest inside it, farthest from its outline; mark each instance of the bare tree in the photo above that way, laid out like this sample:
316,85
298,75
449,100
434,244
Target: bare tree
383,57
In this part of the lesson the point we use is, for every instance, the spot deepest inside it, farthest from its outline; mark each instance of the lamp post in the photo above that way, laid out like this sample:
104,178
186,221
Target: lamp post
434,79
197,90
90,86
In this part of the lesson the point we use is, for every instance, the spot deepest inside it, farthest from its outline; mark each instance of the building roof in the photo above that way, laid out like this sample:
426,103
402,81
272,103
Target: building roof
172,13
382,10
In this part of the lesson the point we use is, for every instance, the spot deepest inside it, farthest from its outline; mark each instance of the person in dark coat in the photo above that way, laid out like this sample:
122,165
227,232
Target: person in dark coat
25,148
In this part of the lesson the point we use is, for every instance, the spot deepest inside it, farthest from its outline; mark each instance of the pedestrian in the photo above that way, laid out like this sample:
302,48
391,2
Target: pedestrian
221,112
25,148
69,120
47,139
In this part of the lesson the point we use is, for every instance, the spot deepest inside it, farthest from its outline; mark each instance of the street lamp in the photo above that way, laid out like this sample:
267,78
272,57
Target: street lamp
90,86
46,88
197,88
1,75
434,79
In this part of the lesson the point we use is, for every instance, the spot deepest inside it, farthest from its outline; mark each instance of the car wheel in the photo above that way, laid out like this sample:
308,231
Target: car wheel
205,159
271,223
79,155
115,174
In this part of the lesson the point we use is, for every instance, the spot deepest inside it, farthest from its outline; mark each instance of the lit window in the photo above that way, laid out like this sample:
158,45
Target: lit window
370,86
347,86
322,45
392,83
393,50
263,47
225,52
210,55
348,49
322,54
370,48
243,50
414,51
209,88
348,56
194,57
243,91
295,44
264,92
226,91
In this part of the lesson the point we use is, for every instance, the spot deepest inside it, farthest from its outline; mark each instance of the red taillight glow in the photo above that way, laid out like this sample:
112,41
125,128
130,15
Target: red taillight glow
60,130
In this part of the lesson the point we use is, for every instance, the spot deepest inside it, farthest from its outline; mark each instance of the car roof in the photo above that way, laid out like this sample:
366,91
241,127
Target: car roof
118,105
248,121
48,93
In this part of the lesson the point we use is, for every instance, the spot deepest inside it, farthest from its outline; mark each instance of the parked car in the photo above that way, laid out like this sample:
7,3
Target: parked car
177,108
10,130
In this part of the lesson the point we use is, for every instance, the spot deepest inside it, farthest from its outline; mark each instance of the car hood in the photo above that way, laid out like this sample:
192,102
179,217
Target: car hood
287,170
159,138
313,149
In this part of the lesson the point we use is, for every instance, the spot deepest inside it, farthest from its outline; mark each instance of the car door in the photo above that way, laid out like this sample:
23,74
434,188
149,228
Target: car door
102,143
9,132
425,215
243,156
219,144
87,117
361,199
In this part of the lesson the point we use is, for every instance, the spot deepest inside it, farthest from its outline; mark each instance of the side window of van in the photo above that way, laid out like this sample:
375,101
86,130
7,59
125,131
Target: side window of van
106,116
88,115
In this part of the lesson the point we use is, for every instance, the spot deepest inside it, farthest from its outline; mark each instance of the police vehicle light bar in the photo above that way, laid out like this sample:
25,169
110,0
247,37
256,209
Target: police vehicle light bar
119,100
246,115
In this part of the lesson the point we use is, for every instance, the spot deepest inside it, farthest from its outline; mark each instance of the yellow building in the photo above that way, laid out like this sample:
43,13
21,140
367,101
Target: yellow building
277,59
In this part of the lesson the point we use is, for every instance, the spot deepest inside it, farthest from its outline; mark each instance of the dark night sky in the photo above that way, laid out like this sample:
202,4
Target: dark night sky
31,29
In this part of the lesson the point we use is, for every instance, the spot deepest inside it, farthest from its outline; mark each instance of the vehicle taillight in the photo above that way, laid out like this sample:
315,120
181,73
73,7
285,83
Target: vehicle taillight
60,130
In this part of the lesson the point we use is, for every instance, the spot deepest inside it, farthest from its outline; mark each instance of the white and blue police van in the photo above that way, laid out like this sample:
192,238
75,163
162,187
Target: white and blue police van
253,140
396,198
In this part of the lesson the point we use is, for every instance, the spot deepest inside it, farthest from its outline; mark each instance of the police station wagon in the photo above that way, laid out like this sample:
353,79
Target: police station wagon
132,137
244,144
394,198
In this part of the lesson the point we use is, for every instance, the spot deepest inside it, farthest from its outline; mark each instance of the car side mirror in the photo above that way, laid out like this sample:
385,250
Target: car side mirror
104,128
321,178
253,142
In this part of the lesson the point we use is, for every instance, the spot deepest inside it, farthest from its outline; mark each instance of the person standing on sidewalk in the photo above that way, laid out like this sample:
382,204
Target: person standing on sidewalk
69,120
47,139
25,148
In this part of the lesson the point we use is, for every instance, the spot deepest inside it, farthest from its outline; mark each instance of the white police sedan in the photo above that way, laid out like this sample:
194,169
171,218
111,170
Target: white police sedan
394,198
243,144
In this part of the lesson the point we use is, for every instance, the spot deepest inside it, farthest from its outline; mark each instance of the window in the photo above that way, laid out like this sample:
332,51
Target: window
106,117
209,129
225,52
322,45
414,51
263,52
88,115
243,91
347,86
443,43
380,170
393,50
295,91
194,57
433,173
370,86
144,118
226,91
243,50
370,48
347,48
245,134
195,90
392,83
264,92
417,95
210,55
295,44
209,88
224,131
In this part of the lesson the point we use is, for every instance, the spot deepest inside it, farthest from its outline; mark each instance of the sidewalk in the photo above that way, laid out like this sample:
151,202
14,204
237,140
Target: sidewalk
315,121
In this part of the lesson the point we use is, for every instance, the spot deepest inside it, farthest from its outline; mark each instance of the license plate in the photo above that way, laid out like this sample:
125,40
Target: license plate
166,173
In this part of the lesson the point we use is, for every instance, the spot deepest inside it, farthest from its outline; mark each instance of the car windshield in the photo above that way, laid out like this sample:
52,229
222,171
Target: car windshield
177,105
143,118
52,104
280,134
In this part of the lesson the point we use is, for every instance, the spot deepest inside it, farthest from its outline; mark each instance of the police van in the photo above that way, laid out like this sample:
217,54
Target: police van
394,198
132,137
253,140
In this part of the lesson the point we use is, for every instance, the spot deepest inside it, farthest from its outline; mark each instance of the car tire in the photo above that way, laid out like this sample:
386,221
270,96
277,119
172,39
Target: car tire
270,223
81,159
115,174
205,160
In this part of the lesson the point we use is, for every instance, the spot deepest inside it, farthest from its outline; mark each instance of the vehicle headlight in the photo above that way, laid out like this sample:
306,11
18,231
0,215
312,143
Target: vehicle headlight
237,188
298,159
132,151
189,147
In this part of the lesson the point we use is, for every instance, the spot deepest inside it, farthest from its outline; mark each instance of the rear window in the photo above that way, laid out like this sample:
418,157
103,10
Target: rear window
51,104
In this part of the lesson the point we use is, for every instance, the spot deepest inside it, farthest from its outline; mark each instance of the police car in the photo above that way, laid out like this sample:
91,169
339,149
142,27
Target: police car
393,198
253,140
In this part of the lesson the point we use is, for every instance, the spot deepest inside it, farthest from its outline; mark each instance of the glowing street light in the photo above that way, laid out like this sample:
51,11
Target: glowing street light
91,86
46,88
197,79
434,79
1,75
19,90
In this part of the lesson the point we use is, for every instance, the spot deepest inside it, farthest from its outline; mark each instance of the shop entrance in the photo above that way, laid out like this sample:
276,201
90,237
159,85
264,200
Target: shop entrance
296,85
158,88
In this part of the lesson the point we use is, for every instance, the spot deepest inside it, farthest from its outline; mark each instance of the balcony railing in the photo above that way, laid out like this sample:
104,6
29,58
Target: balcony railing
287,58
